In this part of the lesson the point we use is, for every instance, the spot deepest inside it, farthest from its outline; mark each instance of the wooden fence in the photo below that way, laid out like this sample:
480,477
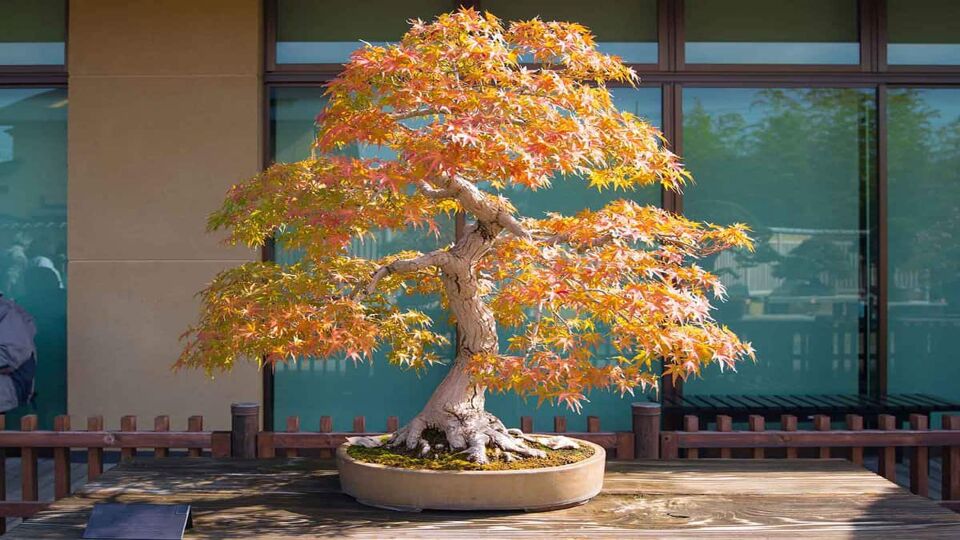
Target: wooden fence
644,441
757,442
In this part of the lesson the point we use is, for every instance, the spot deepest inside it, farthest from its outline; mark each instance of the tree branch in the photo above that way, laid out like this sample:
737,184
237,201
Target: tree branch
403,266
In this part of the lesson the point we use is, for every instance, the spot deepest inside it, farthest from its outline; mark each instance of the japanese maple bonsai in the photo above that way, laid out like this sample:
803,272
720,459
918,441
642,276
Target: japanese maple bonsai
468,119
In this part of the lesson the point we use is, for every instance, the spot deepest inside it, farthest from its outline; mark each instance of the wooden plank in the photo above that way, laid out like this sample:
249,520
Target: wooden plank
128,423
307,440
640,499
526,424
220,442
788,423
919,458
623,441
21,508
950,471
691,422
756,424
293,426
560,424
593,424
815,439
393,424
724,424
821,422
266,448
194,424
105,439
326,426
94,454
29,490
360,424
161,424
887,466
61,461
855,423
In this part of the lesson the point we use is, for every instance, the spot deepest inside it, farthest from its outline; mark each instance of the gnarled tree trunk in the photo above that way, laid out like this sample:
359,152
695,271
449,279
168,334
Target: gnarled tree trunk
457,405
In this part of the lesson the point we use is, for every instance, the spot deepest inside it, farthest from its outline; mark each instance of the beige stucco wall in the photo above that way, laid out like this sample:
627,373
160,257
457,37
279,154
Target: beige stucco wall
164,115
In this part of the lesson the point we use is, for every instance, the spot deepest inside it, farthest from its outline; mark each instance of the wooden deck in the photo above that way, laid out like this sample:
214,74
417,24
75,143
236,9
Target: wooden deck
300,498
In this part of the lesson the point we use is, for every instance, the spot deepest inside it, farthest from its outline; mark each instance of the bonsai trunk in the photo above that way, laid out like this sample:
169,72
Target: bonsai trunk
457,405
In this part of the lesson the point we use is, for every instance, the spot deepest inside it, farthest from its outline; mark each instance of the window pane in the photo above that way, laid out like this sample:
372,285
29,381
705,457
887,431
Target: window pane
794,164
923,32
764,32
626,29
327,31
924,241
569,196
338,387
32,32
33,230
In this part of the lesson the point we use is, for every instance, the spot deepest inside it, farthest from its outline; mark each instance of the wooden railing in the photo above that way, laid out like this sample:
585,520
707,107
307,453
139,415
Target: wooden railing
644,441
824,442
94,440
290,443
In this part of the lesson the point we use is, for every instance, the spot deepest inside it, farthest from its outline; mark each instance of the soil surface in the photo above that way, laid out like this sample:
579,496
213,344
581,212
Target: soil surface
440,458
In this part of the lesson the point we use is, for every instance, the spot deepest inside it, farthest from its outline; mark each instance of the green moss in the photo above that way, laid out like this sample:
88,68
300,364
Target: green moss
446,460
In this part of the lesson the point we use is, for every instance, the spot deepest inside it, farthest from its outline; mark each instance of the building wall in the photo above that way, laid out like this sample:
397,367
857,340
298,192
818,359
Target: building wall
164,116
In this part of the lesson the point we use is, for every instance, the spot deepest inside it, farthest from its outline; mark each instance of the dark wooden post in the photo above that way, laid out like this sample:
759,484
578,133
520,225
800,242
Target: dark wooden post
757,423
61,461
855,423
195,423
29,486
725,423
293,426
243,434
919,458
951,463
94,455
887,467
691,422
788,422
821,422
646,430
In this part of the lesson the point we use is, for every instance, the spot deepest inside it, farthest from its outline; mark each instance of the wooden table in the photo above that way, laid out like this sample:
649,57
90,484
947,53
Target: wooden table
300,498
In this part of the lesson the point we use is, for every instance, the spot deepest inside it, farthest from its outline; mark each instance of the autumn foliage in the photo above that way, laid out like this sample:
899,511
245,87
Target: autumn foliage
467,120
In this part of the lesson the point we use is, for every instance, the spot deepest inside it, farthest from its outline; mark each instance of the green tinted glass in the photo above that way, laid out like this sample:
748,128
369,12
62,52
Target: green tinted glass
764,32
626,29
924,241
33,230
796,166
32,32
327,31
340,389
923,32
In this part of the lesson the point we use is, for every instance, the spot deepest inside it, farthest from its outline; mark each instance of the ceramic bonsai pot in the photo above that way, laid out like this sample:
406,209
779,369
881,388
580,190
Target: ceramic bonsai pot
531,490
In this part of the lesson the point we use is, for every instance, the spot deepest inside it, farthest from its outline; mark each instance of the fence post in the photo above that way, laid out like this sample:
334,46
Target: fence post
29,487
788,422
244,426
293,426
646,430
950,490
128,423
821,422
195,423
757,423
887,466
61,461
94,455
919,458
691,422
725,423
855,423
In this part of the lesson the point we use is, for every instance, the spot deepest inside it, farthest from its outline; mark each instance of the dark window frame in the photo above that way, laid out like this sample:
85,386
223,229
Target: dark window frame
672,74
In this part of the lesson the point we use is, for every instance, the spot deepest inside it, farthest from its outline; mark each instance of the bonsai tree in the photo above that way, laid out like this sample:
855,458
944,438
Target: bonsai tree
467,122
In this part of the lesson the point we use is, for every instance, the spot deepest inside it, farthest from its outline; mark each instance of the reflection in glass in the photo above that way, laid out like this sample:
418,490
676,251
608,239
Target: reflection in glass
33,231
625,29
568,196
338,387
327,31
795,165
764,32
32,32
924,241
923,32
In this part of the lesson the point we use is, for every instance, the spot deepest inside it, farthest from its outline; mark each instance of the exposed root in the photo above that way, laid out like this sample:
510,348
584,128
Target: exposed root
470,431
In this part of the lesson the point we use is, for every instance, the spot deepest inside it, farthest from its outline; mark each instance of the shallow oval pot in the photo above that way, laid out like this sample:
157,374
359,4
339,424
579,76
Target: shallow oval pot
524,489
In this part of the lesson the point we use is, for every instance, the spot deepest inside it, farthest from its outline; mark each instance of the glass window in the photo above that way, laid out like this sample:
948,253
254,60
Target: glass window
338,387
795,165
625,29
327,31
335,387
32,32
924,241
923,32
569,196
33,230
764,32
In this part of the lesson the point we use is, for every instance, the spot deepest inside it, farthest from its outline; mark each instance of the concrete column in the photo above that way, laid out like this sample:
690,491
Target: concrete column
164,115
